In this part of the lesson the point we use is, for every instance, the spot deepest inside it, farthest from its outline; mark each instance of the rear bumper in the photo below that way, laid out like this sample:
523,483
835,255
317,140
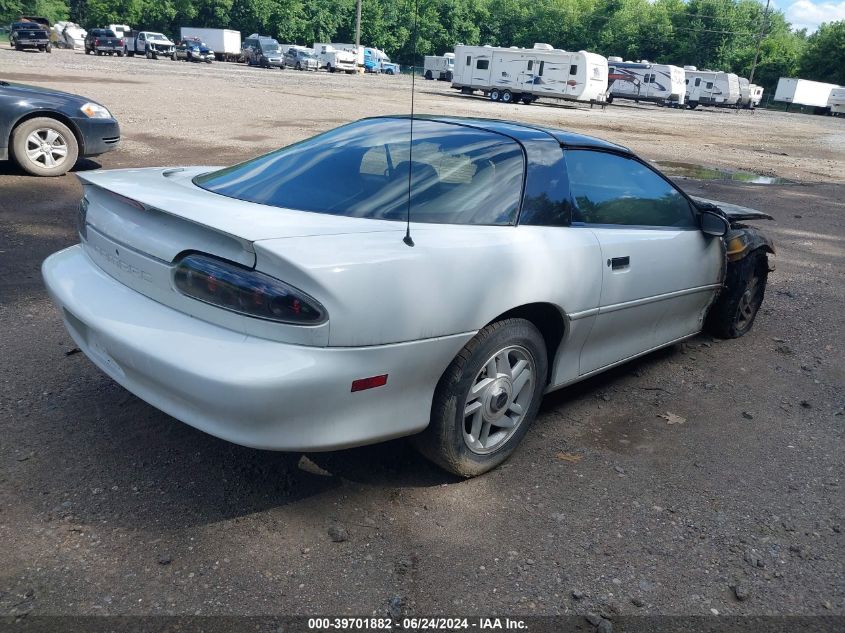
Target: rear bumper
246,390
98,135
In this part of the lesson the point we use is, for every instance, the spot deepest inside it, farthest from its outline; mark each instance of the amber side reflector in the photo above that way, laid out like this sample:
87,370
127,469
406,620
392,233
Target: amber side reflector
369,383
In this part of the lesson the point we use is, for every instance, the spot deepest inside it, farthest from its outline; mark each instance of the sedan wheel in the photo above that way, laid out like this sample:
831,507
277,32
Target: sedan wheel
487,399
734,311
44,147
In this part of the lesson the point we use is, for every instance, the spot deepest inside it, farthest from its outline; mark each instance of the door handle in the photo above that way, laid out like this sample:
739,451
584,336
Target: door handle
616,263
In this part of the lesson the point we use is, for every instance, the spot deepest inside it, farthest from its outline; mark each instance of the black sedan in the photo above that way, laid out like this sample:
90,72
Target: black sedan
46,131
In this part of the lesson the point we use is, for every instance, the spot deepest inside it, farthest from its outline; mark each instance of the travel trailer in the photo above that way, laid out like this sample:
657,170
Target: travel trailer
756,94
120,30
711,87
69,35
836,101
803,92
526,74
644,81
440,67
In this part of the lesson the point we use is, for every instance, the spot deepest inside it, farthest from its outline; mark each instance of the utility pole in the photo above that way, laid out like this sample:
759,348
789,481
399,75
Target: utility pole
358,32
759,40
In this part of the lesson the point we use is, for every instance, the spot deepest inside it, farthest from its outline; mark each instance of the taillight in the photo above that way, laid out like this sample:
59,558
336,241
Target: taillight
96,42
120,42
232,287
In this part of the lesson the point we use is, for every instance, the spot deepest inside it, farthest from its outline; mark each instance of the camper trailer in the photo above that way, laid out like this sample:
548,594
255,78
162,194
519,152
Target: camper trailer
803,92
711,87
644,81
756,94
440,67
526,74
836,101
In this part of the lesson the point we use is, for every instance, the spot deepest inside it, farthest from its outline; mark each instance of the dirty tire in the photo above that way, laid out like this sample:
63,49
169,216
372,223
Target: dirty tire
734,311
20,143
443,440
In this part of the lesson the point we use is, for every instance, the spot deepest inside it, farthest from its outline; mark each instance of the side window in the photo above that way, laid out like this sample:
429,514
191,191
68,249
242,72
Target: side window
573,69
709,85
698,81
542,64
469,60
546,201
530,64
482,64
608,188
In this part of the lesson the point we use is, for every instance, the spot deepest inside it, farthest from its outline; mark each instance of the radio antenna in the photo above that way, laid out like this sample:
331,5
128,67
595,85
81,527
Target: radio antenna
407,239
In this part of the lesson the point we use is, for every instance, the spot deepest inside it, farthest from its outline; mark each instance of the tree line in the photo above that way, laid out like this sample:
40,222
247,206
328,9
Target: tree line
719,34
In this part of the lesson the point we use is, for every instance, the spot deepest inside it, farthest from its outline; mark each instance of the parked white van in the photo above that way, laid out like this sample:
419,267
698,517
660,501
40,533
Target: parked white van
526,74
440,67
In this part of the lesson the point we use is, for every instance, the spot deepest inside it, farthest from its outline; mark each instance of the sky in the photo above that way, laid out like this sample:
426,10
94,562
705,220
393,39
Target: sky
809,13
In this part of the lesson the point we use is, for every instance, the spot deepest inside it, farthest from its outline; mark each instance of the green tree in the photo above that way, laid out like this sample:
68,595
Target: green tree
824,56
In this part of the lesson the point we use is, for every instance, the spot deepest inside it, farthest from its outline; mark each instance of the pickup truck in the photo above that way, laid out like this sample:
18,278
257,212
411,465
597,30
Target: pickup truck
148,43
104,42
29,35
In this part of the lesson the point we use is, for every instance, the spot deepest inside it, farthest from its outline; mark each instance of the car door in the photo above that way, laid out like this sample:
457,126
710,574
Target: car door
659,271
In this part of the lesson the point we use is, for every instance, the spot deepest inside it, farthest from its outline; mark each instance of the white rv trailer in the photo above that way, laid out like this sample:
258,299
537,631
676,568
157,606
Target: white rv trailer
644,81
711,87
120,30
836,101
440,67
803,92
526,74
756,94
225,43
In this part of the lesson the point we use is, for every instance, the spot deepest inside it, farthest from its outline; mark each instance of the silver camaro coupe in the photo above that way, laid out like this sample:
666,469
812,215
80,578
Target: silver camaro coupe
284,303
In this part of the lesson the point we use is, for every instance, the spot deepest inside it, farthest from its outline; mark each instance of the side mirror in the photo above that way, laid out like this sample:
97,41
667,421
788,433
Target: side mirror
713,224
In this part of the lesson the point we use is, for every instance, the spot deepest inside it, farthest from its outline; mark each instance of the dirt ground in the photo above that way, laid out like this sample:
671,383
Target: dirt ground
108,506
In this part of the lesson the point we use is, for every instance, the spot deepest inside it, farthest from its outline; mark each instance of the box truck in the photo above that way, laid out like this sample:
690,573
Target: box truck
439,67
225,43
803,92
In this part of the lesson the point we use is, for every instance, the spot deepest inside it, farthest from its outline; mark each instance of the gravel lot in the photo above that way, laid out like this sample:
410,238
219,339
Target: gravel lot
108,506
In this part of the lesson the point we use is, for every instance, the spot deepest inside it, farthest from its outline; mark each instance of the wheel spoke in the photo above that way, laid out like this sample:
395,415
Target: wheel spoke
51,136
485,433
521,380
475,430
516,408
478,388
492,371
472,407
34,154
48,160
518,368
59,151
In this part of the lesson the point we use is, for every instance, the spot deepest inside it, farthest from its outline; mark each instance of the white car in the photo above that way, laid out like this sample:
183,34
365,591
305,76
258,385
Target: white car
284,303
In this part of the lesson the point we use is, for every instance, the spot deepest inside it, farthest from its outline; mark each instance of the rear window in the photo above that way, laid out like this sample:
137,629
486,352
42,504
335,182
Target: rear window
458,174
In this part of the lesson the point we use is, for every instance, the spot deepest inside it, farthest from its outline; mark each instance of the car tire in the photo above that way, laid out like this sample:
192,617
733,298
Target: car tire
495,95
461,425
507,96
428,75
23,139
692,105
120,53
734,311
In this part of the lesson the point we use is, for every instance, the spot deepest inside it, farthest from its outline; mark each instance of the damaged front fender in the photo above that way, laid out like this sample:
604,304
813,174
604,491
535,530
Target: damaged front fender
742,240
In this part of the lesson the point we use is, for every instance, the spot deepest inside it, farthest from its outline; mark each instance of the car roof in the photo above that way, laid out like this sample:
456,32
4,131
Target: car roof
525,131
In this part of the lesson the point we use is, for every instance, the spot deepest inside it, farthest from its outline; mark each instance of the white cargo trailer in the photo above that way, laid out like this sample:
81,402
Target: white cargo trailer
336,59
225,43
440,67
836,101
711,87
756,94
526,74
803,92
644,81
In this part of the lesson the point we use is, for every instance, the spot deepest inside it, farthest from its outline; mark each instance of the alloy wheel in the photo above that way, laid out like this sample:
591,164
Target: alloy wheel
498,400
46,148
